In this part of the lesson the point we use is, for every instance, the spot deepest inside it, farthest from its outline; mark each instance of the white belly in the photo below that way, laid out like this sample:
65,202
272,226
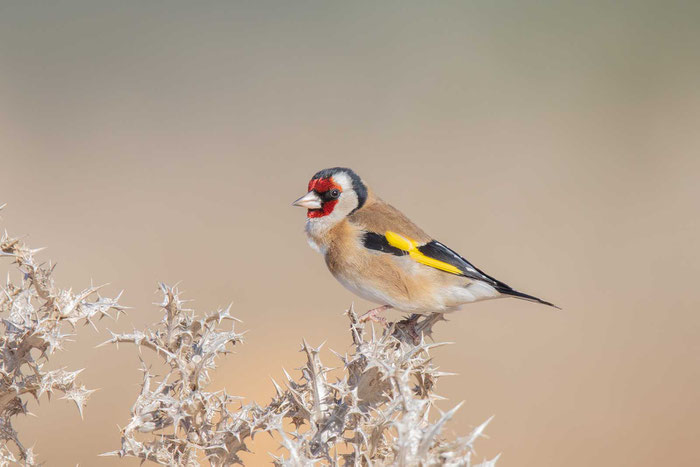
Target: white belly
444,300
368,293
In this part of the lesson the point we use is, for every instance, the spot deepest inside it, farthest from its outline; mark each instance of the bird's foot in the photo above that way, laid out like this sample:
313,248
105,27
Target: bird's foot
374,315
408,327
413,328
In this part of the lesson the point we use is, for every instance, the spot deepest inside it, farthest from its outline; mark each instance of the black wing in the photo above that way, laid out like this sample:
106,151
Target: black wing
432,249
440,252
378,242
437,250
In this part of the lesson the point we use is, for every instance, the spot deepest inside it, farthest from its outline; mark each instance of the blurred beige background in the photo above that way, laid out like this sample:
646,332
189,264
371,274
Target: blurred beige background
556,146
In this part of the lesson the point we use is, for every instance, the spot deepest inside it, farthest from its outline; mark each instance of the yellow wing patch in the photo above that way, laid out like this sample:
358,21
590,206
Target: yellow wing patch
411,246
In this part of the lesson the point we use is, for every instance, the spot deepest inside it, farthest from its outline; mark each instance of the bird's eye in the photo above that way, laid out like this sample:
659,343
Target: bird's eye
334,193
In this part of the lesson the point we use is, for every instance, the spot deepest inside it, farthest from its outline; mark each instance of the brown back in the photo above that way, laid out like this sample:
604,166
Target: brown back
378,216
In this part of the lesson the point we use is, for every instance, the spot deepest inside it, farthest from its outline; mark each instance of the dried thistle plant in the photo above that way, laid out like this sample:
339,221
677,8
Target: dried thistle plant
36,317
183,420
378,413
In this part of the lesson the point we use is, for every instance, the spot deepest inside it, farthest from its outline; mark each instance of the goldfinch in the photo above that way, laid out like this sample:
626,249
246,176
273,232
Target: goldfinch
376,252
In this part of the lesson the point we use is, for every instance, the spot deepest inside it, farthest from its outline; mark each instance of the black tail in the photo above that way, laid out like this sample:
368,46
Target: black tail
507,290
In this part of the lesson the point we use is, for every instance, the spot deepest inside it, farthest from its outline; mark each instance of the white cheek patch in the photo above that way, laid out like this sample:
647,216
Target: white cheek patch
348,202
348,199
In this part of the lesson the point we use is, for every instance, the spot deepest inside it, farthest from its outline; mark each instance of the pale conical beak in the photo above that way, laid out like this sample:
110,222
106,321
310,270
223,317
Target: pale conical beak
309,201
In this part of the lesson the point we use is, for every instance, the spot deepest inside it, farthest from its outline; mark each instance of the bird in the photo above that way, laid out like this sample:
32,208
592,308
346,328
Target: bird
379,254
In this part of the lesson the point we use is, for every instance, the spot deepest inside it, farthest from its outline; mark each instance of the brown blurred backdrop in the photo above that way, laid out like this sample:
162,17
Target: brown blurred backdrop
556,146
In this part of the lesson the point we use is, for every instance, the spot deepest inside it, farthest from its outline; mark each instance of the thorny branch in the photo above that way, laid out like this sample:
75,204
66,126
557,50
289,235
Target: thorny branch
36,316
377,413
380,411
186,421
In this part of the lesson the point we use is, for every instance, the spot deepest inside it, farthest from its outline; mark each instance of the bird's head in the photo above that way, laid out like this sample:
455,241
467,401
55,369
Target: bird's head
333,194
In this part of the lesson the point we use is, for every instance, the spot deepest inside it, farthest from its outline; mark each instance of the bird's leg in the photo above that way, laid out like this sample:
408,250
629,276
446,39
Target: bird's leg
374,315
412,321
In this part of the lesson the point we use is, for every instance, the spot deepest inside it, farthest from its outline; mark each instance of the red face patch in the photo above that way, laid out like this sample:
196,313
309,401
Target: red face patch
326,209
322,186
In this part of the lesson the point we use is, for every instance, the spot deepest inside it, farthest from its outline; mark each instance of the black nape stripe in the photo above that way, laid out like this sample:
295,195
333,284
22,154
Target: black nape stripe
378,242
